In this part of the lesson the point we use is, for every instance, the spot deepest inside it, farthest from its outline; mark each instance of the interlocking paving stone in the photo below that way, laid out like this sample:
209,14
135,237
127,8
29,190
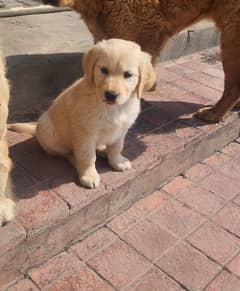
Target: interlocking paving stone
159,243
66,272
224,282
119,264
234,265
215,242
188,266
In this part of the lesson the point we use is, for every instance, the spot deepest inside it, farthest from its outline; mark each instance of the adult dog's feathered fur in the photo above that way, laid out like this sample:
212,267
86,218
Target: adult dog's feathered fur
96,111
151,23
7,204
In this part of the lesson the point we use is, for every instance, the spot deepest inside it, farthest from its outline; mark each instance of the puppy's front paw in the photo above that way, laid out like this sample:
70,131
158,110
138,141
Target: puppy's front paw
90,179
120,163
7,210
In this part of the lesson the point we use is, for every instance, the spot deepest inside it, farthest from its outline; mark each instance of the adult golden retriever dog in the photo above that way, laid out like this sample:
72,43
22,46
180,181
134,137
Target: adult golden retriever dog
7,199
97,111
151,23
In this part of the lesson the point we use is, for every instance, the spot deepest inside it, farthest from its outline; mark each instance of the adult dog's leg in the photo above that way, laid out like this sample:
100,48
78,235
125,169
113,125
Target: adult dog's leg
237,106
231,64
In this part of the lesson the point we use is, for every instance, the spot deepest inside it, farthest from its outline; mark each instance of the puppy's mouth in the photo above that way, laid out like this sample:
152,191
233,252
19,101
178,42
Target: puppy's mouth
109,102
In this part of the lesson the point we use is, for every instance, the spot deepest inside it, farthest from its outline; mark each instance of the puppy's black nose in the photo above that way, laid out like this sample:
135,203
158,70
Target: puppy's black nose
111,96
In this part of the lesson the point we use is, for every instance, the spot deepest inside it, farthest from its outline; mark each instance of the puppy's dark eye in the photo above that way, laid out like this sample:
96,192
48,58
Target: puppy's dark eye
127,75
104,70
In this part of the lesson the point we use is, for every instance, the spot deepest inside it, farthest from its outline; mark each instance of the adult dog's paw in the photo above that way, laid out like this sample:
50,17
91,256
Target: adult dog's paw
208,114
7,210
90,180
120,163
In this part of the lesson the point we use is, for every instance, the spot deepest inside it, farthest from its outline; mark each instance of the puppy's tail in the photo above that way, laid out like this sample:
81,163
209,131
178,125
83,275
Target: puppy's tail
25,127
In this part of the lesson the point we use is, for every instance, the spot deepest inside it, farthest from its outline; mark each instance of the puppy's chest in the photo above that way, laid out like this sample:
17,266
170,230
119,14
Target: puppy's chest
112,128
114,125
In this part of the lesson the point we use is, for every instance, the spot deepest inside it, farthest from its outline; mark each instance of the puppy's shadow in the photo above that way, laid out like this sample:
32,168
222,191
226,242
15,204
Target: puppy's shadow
157,116
35,171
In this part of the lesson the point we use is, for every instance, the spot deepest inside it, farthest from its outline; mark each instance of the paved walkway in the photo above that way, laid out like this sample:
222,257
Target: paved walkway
54,210
186,236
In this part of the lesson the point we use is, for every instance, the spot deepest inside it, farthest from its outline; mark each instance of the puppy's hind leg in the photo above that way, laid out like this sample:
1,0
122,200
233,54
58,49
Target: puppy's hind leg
48,138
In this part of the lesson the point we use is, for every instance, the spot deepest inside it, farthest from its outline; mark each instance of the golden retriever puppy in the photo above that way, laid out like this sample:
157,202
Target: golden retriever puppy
7,204
151,23
97,111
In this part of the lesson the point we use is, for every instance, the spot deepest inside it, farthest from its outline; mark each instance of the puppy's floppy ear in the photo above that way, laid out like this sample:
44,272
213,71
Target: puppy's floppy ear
89,62
147,75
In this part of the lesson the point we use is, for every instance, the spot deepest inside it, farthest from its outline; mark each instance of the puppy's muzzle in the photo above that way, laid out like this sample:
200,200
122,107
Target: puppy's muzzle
111,96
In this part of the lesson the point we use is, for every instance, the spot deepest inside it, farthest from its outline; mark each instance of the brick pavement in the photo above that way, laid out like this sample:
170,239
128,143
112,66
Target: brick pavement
184,236
54,211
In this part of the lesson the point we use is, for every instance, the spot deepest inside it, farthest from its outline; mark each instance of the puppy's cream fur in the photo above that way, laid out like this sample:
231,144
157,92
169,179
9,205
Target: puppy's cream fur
7,204
81,120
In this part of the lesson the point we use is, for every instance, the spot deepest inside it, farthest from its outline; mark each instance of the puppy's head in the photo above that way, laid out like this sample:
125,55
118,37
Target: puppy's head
118,69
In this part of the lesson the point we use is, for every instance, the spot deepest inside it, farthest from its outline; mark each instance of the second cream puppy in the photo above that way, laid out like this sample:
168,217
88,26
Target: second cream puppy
97,110
7,197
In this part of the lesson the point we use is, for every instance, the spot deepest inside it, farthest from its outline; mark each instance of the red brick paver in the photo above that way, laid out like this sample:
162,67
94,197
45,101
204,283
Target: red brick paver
198,172
189,266
234,265
11,235
93,244
225,282
232,150
155,280
229,218
221,185
232,169
178,184
137,212
217,159
149,239
36,214
66,272
237,200
215,242
23,284
201,200
119,264
177,218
